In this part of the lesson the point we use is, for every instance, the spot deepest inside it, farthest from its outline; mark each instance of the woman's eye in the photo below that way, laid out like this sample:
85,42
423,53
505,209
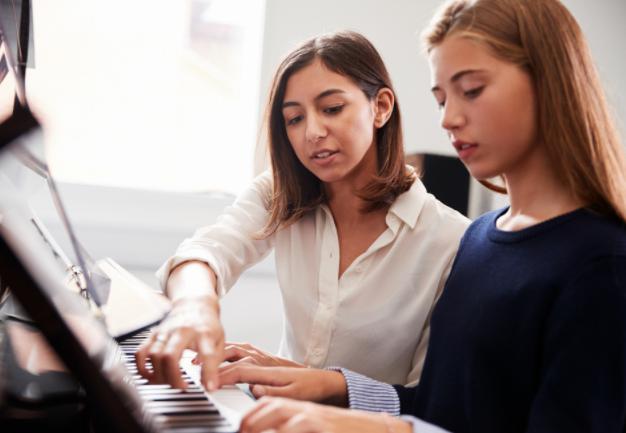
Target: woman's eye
294,120
334,109
441,104
473,93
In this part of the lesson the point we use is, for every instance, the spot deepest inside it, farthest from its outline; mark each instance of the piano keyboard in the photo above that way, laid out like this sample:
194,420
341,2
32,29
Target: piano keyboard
175,410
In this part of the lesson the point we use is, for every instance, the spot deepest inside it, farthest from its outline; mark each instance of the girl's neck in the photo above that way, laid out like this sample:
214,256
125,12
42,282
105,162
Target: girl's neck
536,194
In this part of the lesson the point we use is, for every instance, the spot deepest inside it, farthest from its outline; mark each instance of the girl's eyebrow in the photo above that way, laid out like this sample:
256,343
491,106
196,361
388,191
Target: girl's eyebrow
458,76
318,97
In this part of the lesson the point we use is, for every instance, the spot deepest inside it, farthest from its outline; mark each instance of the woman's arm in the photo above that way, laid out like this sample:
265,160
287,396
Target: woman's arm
193,322
204,268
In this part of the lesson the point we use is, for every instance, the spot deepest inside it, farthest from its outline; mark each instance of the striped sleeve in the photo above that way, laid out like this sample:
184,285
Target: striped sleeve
369,394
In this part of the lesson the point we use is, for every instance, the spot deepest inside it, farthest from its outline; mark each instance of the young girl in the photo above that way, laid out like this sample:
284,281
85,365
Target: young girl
529,334
362,251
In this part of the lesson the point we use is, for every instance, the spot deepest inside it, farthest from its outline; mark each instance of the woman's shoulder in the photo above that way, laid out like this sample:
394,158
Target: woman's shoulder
259,190
263,180
429,218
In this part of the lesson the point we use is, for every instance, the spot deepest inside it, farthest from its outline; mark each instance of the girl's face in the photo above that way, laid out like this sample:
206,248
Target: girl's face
330,123
487,107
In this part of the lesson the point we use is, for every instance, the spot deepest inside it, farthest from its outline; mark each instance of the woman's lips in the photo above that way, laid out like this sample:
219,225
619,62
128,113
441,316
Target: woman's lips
324,157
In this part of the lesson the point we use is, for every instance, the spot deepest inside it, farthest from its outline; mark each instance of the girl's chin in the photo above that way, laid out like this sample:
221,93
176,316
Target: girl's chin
481,173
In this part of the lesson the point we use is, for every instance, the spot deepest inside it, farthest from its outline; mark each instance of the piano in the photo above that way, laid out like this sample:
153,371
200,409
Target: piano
59,367
65,358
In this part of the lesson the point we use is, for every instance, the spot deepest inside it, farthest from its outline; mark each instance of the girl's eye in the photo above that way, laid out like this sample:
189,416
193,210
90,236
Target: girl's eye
473,93
294,120
334,109
441,104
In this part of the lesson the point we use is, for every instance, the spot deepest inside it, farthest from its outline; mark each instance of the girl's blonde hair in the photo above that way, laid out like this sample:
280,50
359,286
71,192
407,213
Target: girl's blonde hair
574,121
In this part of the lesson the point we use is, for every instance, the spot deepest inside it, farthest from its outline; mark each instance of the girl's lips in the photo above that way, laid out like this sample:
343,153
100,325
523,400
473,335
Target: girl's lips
465,150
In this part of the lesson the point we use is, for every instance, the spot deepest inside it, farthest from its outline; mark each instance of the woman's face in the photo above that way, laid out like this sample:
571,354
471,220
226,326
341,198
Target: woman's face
487,107
330,123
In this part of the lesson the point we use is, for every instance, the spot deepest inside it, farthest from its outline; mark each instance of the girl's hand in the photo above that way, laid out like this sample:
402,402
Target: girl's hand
289,416
297,383
244,353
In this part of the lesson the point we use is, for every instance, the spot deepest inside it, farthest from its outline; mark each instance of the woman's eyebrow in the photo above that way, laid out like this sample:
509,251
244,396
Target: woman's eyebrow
324,94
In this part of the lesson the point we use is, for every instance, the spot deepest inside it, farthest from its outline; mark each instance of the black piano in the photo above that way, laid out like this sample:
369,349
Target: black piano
59,368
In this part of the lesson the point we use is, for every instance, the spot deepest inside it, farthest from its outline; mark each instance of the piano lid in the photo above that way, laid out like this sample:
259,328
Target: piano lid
80,341
16,52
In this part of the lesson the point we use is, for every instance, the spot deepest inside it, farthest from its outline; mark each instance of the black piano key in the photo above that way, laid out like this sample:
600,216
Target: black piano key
185,411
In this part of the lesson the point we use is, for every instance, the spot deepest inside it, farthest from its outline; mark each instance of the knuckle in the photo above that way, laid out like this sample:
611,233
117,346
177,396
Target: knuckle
155,354
308,408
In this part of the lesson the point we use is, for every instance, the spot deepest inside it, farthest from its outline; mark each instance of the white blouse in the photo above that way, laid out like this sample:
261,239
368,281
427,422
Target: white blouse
374,319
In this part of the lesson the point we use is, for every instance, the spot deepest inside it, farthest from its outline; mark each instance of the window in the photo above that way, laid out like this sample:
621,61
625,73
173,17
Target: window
157,94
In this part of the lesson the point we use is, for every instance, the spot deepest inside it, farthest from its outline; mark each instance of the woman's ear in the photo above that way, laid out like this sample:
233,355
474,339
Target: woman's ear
383,106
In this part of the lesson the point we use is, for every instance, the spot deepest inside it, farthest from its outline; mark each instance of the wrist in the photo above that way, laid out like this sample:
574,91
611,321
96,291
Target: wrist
335,389
192,280
202,298
395,425
196,304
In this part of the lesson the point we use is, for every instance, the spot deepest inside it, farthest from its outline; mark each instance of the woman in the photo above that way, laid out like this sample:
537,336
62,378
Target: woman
356,236
529,334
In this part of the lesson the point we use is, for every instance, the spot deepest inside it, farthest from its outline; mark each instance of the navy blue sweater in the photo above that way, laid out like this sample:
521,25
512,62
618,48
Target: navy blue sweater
529,334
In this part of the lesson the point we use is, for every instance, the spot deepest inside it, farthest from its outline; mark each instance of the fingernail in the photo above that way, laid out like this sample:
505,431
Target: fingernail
258,391
210,385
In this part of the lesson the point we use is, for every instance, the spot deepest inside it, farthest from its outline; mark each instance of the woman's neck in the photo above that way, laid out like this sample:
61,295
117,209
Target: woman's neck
342,195
536,194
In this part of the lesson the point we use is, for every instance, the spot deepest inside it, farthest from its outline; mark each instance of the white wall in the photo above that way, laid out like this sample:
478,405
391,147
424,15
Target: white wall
603,24
140,228
394,27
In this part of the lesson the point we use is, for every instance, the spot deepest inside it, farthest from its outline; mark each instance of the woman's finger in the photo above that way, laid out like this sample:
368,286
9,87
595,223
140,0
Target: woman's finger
246,373
155,354
141,358
171,361
210,356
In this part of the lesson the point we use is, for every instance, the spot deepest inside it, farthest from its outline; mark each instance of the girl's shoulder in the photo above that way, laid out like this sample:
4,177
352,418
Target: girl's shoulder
581,232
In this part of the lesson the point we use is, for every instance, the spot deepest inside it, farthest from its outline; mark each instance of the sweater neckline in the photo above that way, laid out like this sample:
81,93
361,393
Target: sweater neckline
497,235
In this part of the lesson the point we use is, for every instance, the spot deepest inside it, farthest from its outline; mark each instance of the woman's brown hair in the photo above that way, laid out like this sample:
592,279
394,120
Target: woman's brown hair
574,121
296,190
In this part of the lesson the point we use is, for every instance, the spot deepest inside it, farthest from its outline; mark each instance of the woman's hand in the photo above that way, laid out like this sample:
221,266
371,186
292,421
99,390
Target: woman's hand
297,383
244,353
193,323
289,416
